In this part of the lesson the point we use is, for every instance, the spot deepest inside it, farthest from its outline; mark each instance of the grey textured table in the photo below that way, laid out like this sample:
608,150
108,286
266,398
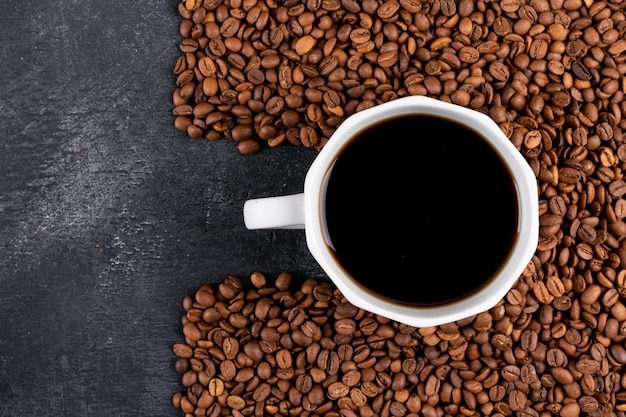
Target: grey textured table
108,215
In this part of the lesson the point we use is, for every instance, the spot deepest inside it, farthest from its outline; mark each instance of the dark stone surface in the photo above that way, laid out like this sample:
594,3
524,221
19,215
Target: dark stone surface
108,215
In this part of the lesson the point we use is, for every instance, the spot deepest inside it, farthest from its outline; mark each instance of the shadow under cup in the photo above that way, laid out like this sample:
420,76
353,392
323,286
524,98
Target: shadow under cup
420,210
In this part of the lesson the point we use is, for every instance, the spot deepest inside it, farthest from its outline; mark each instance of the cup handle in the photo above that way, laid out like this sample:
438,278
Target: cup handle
282,212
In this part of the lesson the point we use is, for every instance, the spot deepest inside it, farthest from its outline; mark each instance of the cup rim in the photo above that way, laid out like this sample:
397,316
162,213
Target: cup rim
424,316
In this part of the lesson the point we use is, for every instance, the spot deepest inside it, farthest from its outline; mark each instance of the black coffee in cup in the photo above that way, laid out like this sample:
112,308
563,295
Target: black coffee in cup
421,209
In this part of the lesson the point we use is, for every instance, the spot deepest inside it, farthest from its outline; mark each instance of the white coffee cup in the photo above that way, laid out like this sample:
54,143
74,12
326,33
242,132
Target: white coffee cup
306,211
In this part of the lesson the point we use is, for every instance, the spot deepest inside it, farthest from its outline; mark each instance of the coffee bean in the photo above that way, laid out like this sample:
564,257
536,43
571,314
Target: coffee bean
562,375
230,345
337,390
283,358
216,387
618,352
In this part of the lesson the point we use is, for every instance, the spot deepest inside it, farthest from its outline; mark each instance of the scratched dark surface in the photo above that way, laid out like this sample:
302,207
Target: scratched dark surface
108,215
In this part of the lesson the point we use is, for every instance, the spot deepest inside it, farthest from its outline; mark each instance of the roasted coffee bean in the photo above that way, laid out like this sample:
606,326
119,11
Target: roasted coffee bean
337,390
216,387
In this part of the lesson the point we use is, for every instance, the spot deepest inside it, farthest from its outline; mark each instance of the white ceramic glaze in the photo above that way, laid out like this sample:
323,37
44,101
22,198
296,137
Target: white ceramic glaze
305,211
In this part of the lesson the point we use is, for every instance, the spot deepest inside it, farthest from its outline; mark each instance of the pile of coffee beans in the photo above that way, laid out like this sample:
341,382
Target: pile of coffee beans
259,348
267,72
551,73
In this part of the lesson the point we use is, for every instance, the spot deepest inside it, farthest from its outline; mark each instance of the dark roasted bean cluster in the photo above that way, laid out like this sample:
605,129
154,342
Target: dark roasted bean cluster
550,73
272,350
272,72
